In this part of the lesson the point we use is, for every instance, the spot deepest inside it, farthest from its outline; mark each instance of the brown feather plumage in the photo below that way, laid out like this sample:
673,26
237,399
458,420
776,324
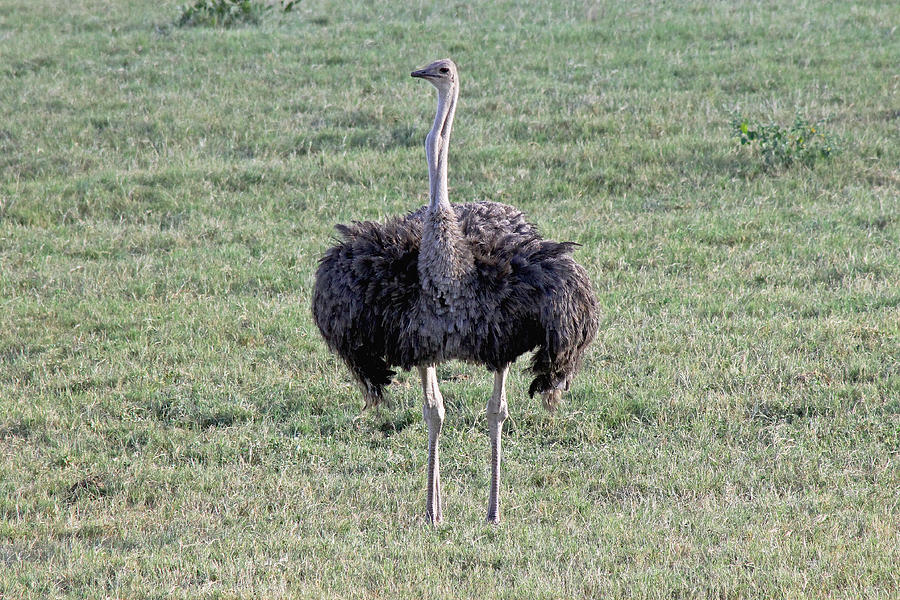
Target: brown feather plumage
518,293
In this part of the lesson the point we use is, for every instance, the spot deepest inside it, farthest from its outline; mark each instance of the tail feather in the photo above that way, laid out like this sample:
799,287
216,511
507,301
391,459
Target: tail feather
569,318
373,375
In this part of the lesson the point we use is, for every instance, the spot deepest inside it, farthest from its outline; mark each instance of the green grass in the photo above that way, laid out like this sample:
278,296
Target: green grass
171,424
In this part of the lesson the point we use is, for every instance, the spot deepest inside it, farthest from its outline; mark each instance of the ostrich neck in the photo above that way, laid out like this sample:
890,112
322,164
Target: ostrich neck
444,260
437,145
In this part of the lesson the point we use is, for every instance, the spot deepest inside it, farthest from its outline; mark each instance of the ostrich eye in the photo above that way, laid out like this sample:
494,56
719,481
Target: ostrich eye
444,70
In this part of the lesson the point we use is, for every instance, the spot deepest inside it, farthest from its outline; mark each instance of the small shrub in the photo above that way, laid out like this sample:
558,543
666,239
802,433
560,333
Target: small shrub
227,13
779,146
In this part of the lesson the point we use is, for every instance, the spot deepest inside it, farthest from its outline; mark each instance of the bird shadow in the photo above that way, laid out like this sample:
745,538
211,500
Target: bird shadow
393,422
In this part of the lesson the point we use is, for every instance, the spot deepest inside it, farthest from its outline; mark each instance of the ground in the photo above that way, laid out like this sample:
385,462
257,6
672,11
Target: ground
172,425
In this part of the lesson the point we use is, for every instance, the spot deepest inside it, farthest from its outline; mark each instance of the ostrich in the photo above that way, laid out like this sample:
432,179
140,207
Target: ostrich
473,282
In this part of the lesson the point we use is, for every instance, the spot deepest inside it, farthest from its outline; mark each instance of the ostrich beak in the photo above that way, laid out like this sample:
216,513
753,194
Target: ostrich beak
423,73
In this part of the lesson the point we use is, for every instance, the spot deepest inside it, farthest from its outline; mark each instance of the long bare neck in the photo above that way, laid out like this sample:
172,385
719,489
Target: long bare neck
444,258
437,145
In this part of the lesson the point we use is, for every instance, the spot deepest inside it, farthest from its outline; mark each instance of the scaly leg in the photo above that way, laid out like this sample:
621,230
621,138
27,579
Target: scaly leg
433,412
496,414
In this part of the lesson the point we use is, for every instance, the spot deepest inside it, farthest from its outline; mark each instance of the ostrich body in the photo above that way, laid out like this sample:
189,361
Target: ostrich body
472,282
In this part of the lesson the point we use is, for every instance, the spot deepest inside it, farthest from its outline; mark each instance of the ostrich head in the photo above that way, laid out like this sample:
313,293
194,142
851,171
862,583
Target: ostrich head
441,74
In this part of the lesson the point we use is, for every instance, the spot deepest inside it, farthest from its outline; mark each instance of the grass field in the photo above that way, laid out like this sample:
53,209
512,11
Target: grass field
171,424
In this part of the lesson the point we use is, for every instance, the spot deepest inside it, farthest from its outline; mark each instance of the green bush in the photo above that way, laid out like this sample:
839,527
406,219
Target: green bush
227,13
779,146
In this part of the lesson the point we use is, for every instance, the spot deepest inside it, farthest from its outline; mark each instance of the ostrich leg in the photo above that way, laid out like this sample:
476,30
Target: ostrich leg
496,414
433,412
